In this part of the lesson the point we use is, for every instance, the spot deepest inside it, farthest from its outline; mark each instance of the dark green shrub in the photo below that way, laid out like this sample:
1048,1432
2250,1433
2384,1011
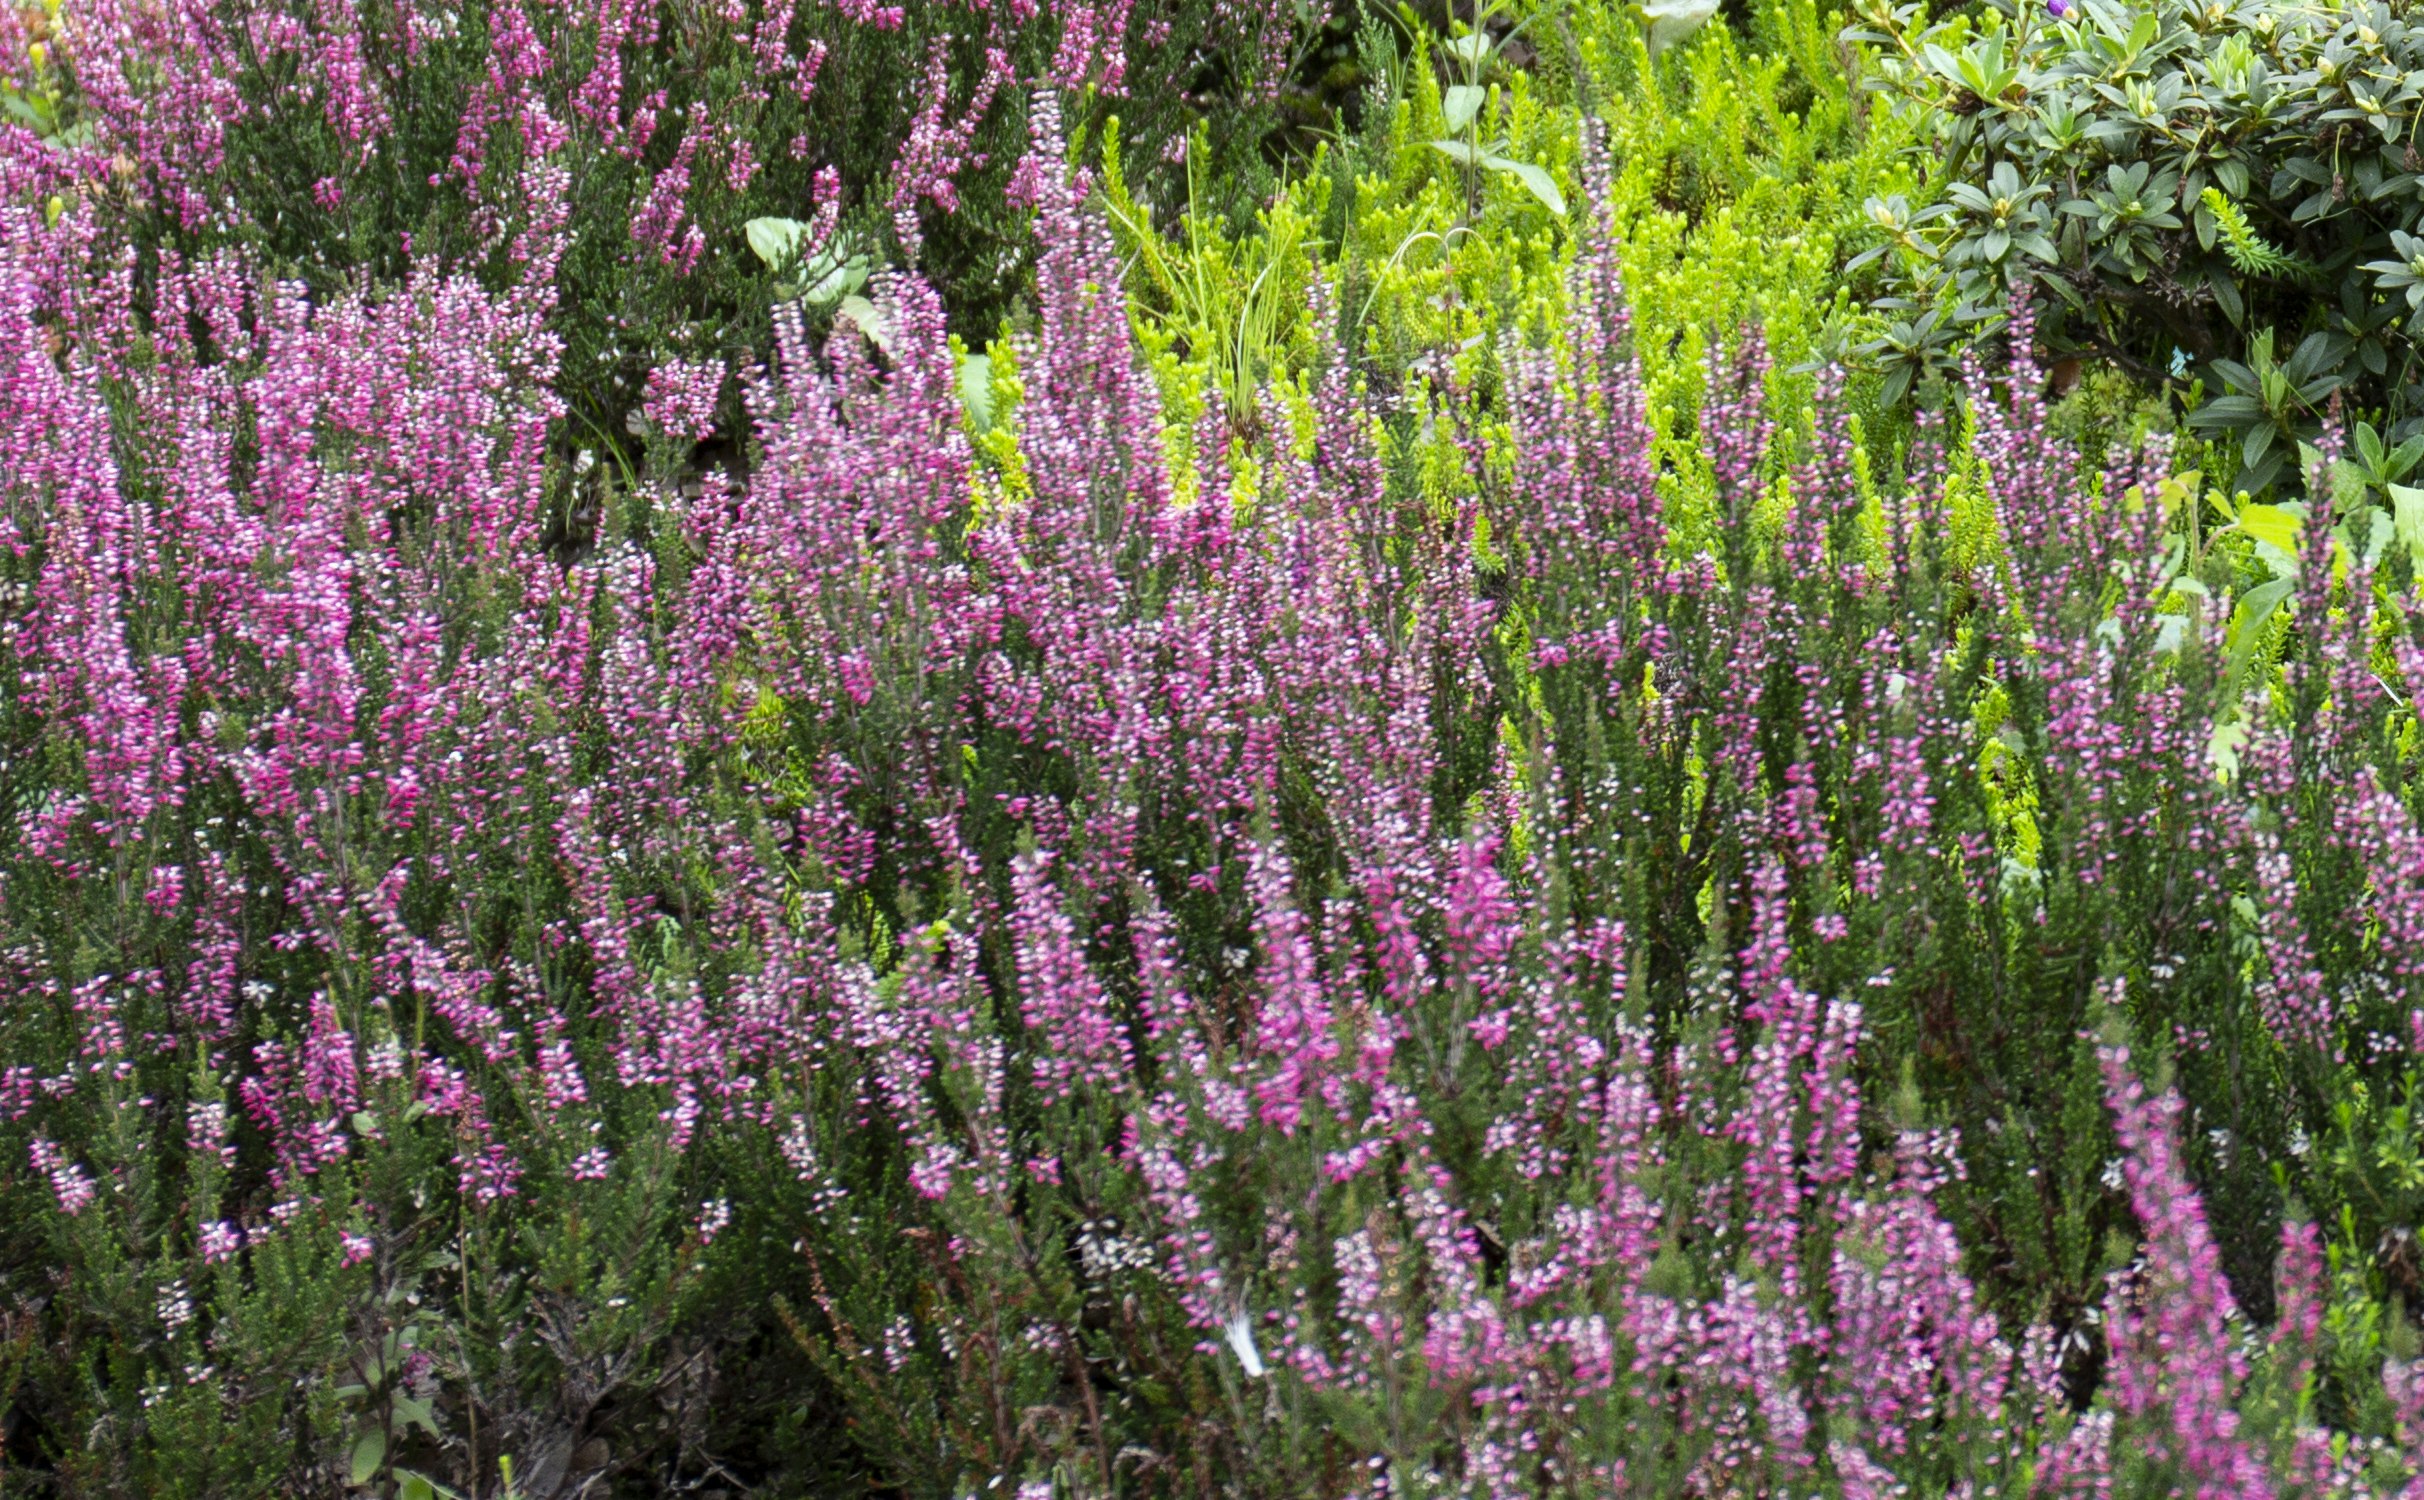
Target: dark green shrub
2200,186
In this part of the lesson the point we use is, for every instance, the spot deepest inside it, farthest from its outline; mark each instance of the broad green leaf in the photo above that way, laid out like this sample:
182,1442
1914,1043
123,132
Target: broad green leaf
2270,523
1673,20
16,104
829,276
1471,48
2170,630
416,1413
776,241
2407,518
1462,151
1462,102
2254,613
1537,179
369,1451
976,390
2365,535
870,320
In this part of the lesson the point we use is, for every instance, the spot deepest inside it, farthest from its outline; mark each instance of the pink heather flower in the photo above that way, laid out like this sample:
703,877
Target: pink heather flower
2290,991
2077,1463
936,152
1296,1027
1084,1041
491,1174
869,13
682,397
357,1247
1911,1345
591,1165
2175,1360
1482,923
217,1241
208,1132
2403,1381
70,1182
104,1033
1092,50
330,1076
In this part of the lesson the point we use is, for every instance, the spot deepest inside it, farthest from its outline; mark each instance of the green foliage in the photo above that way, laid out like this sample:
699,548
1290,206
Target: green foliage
2181,178
1443,224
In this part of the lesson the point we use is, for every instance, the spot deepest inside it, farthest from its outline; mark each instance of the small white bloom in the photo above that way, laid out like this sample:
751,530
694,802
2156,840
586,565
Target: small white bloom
175,1306
1240,1331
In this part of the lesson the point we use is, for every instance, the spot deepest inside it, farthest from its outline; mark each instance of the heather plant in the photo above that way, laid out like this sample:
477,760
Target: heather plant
1359,968
1477,892
371,139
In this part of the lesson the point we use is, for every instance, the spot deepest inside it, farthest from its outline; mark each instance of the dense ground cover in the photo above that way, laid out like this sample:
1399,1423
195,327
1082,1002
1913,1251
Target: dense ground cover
839,751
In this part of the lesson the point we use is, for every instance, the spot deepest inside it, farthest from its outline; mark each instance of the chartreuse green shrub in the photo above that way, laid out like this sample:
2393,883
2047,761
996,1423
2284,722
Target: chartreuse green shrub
1444,227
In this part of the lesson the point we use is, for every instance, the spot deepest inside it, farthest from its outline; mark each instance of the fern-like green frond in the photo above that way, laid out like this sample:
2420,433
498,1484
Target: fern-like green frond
2246,250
